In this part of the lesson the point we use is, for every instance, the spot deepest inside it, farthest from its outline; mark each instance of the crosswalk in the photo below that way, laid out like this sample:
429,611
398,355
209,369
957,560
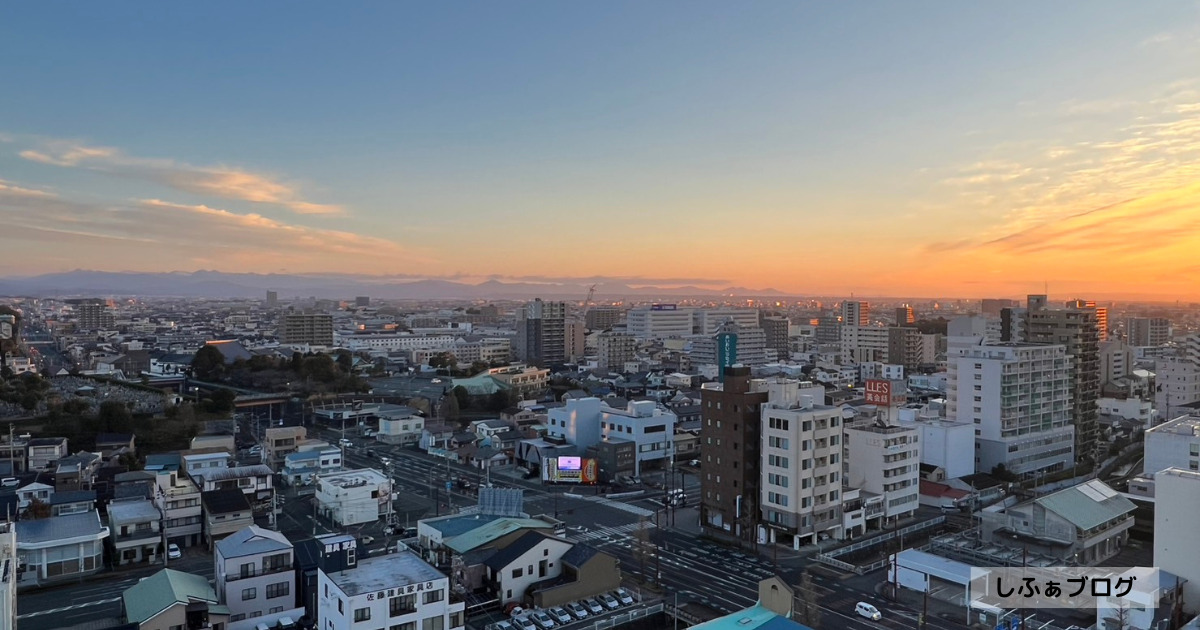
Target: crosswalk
632,509
609,534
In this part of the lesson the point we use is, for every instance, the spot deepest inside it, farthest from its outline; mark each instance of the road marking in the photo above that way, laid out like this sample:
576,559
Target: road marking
52,611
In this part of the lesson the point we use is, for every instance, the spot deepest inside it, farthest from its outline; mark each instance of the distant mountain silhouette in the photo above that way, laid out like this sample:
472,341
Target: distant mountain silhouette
215,284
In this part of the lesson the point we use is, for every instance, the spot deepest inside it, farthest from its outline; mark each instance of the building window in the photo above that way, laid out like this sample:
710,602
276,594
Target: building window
516,573
278,589
249,593
362,614
412,625
276,609
433,623
237,617
402,605
247,570
433,596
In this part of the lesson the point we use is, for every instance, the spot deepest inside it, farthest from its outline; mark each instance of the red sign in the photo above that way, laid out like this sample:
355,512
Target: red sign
589,471
879,392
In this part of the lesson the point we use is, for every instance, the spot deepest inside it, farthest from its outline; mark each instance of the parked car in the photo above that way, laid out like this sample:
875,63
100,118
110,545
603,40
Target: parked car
345,442
609,601
173,552
525,623
515,611
577,610
504,625
623,596
866,610
542,619
255,450
10,482
559,615
366,540
593,606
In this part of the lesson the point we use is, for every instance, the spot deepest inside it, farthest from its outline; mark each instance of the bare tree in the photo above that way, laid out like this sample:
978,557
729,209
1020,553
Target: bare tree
1119,619
808,612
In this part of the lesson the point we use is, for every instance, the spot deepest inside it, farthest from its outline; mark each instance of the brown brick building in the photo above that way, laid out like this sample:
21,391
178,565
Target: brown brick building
729,453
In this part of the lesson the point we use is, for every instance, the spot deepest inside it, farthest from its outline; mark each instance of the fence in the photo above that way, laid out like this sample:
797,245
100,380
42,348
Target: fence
627,617
831,557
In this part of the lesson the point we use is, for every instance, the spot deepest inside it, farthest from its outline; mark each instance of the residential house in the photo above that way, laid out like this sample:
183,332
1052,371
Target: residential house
254,576
60,548
532,558
256,482
586,572
72,502
33,491
328,553
435,437
200,464
113,444
179,499
135,525
42,452
225,512
484,429
76,472
351,497
173,600
302,467
279,442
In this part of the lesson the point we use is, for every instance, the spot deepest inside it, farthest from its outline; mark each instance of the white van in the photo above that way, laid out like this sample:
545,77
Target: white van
866,610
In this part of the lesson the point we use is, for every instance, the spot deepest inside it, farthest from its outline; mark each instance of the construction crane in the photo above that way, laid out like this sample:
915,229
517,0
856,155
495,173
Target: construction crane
591,294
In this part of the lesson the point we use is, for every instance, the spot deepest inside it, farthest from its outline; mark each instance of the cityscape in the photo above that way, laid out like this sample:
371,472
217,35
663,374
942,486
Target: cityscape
537,316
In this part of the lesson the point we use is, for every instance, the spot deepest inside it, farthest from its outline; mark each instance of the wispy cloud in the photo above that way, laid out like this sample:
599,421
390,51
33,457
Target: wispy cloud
11,190
222,182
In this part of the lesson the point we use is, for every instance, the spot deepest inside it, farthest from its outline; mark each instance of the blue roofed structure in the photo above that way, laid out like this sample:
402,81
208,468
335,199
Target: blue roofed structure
773,611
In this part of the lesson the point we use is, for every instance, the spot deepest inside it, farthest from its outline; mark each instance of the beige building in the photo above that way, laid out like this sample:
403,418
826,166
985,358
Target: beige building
279,442
614,350
312,329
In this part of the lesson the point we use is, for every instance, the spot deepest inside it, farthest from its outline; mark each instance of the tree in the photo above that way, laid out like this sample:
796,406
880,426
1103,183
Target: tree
498,401
297,364
345,361
808,611
462,395
1119,619
114,417
321,368
208,364
37,509
443,360
221,401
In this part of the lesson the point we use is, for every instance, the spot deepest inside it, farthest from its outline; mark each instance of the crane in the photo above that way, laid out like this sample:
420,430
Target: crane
591,294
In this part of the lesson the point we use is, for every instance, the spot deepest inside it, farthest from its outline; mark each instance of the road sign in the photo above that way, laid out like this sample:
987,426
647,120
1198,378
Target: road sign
448,486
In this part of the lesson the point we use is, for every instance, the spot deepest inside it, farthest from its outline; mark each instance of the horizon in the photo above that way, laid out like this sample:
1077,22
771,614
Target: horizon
809,149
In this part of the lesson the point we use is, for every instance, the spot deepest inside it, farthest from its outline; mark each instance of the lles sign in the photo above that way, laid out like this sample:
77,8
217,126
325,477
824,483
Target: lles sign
879,392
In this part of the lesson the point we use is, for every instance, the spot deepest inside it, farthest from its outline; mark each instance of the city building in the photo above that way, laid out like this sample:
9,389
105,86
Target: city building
272,299
885,460
523,379
541,332
303,467
706,321
659,321
574,340
307,329
801,446
362,301
906,346
44,452
586,422
614,349
1116,360
855,313
8,576
279,442
225,511
173,600
993,306
777,330
1101,315
1078,331
729,452
524,562
257,482
1147,331
400,427
135,528
1084,524
1177,382
351,497
749,346
865,343
92,315
398,590
946,444
60,548
1018,396
178,498
1172,444
254,576
603,317
1176,512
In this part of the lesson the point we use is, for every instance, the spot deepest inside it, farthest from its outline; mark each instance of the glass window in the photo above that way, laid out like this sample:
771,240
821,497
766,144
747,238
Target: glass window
362,614
249,593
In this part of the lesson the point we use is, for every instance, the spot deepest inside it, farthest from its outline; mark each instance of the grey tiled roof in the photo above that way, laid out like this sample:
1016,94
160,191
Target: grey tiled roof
59,528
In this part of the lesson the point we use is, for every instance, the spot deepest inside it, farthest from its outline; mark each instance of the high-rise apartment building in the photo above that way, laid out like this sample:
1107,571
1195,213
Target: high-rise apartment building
574,339
93,314
750,346
856,313
314,329
362,301
272,298
1147,331
1019,398
541,332
1101,315
706,320
885,459
861,344
801,444
1077,330
1116,360
776,328
905,316
659,321
603,317
615,349
1177,380
729,452
906,346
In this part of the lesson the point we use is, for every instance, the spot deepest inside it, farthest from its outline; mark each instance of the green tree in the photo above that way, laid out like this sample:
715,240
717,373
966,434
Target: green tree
297,364
37,509
443,360
345,361
208,364
321,368
114,417
499,400
221,401
462,396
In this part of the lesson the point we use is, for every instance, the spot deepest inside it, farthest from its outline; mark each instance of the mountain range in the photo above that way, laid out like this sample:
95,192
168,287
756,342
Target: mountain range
215,284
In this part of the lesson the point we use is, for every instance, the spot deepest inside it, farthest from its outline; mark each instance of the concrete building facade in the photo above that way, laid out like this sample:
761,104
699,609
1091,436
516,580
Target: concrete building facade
730,452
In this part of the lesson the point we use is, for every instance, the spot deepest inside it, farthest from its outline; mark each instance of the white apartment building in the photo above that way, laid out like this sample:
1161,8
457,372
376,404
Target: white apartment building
750,347
885,460
1136,409
254,576
947,444
1172,444
856,313
179,499
351,497
1018,396
394,591
585,422
801,484
8,576
400,428
614,350
1116,360
885,371
705,321
972,331
1177,380
1176,512
659,321
864,343
1147,331
392,341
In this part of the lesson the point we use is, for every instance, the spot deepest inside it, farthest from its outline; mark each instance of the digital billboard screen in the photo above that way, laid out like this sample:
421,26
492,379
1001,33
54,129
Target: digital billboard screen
570,463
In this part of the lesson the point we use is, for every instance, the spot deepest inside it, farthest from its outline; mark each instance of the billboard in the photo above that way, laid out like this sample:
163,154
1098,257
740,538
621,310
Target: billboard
885,393
727,344
569,470
663,307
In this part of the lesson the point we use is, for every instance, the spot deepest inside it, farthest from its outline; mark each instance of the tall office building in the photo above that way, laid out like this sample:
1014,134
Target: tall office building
1147,331
1018,396
1101,314
272,298
603,317
776,328
1078,332
749,346
92,314
706,320
659,321
905,316
541,332
614,349
362,300
856,313
729,453
314,329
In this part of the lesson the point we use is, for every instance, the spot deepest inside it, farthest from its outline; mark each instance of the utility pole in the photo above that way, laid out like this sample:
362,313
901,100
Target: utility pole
162,524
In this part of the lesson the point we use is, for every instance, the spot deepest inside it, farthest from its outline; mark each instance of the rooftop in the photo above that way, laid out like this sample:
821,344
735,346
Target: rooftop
354,478
1087,505
756,617
384,572
224,501
163,590
1184,425
456,525
252,541
132,511
237,472
491,531
60,528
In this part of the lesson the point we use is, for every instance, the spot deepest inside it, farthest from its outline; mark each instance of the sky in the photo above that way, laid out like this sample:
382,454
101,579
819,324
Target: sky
875,148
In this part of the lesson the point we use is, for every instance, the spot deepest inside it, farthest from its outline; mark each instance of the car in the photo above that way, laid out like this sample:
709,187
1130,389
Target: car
559,615
173,552
623,596
516,611
593,606
525,623
542,619
577,610
366,540
504,625
609,601
10,482
695,463
866,610
255,450
345,442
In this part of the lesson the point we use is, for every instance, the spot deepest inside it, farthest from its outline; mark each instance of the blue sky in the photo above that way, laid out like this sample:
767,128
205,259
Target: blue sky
510,138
